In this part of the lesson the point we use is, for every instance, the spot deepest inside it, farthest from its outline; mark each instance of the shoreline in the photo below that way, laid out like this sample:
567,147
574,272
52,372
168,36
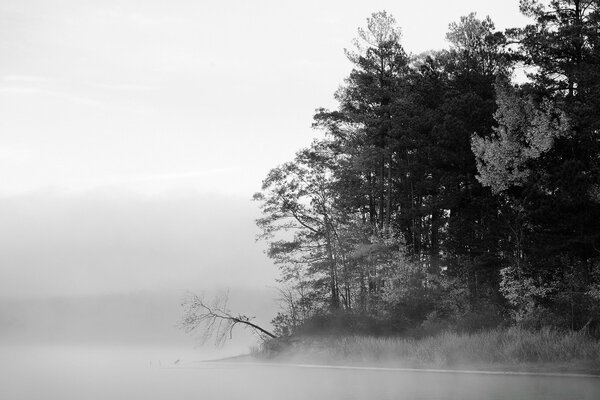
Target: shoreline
500,351
529,369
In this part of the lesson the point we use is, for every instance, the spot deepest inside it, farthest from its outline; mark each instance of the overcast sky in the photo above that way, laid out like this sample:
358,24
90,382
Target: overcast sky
133,133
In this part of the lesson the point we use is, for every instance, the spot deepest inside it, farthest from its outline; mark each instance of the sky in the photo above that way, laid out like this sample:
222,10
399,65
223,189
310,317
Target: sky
133,133
153,94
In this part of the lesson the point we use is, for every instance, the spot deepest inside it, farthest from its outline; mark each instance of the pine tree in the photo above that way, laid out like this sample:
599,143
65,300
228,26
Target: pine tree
543,157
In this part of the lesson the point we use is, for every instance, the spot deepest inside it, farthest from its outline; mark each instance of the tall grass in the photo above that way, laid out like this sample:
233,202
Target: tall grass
500,346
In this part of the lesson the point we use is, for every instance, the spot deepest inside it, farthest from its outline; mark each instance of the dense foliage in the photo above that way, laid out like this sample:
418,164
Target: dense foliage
443,193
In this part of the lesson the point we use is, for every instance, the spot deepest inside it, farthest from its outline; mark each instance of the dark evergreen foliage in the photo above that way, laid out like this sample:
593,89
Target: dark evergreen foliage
442,194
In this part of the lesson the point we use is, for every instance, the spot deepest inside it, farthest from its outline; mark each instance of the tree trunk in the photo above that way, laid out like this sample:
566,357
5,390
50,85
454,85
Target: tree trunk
372,220
434,251
381,190
388,215
335,299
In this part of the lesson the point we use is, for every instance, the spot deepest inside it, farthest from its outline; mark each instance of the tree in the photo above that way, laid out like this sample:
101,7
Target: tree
525,132
298,197
359,132
542,158
478,45
397,170
214,319
556,166
441,190
562,45
361,126
454,219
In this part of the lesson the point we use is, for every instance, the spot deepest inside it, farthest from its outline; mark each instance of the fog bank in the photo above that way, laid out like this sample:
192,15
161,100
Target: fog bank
77,244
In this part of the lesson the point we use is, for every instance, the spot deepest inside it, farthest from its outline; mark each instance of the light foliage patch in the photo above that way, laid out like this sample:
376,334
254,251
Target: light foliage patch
525,132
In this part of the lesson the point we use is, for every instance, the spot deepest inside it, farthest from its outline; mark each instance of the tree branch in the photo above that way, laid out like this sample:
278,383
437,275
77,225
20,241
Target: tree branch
213,319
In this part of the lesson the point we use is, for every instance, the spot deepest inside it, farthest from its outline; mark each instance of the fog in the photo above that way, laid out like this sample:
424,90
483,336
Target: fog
99,242
69,373
138,319
133,135
91,283
110,268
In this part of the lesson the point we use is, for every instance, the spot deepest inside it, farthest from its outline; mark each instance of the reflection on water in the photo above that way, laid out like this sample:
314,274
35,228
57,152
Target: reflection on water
69,373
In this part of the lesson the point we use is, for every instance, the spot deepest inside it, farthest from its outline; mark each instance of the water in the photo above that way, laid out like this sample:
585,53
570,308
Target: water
94,373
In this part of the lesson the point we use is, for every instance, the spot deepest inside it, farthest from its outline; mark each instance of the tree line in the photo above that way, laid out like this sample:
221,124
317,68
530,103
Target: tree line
443,192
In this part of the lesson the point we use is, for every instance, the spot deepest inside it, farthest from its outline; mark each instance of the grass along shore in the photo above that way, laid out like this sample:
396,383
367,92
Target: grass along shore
512,349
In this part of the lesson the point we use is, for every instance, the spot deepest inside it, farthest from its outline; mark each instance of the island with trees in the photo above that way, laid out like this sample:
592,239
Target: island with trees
449,211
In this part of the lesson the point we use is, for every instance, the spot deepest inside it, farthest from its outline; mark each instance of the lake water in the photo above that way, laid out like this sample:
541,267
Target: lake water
113,373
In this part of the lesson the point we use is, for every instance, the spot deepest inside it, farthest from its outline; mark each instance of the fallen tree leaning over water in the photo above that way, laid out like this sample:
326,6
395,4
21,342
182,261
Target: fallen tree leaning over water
213,319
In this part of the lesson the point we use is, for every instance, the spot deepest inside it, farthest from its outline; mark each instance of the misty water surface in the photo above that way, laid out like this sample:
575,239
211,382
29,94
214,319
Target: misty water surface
91,373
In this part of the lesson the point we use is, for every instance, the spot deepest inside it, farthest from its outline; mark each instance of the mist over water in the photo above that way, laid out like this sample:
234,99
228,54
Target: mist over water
125,372
134,134
126,346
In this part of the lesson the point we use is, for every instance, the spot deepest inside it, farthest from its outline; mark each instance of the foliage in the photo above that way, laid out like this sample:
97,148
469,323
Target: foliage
525,132
442,195
504,347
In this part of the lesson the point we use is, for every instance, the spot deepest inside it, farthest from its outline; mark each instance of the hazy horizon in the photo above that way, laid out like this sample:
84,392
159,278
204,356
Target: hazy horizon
134,134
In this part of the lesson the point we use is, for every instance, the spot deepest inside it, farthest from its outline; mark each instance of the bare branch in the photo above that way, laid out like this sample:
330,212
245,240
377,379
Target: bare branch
213,319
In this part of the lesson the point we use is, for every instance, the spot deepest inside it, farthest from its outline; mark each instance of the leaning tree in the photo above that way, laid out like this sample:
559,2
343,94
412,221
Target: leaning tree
212,319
